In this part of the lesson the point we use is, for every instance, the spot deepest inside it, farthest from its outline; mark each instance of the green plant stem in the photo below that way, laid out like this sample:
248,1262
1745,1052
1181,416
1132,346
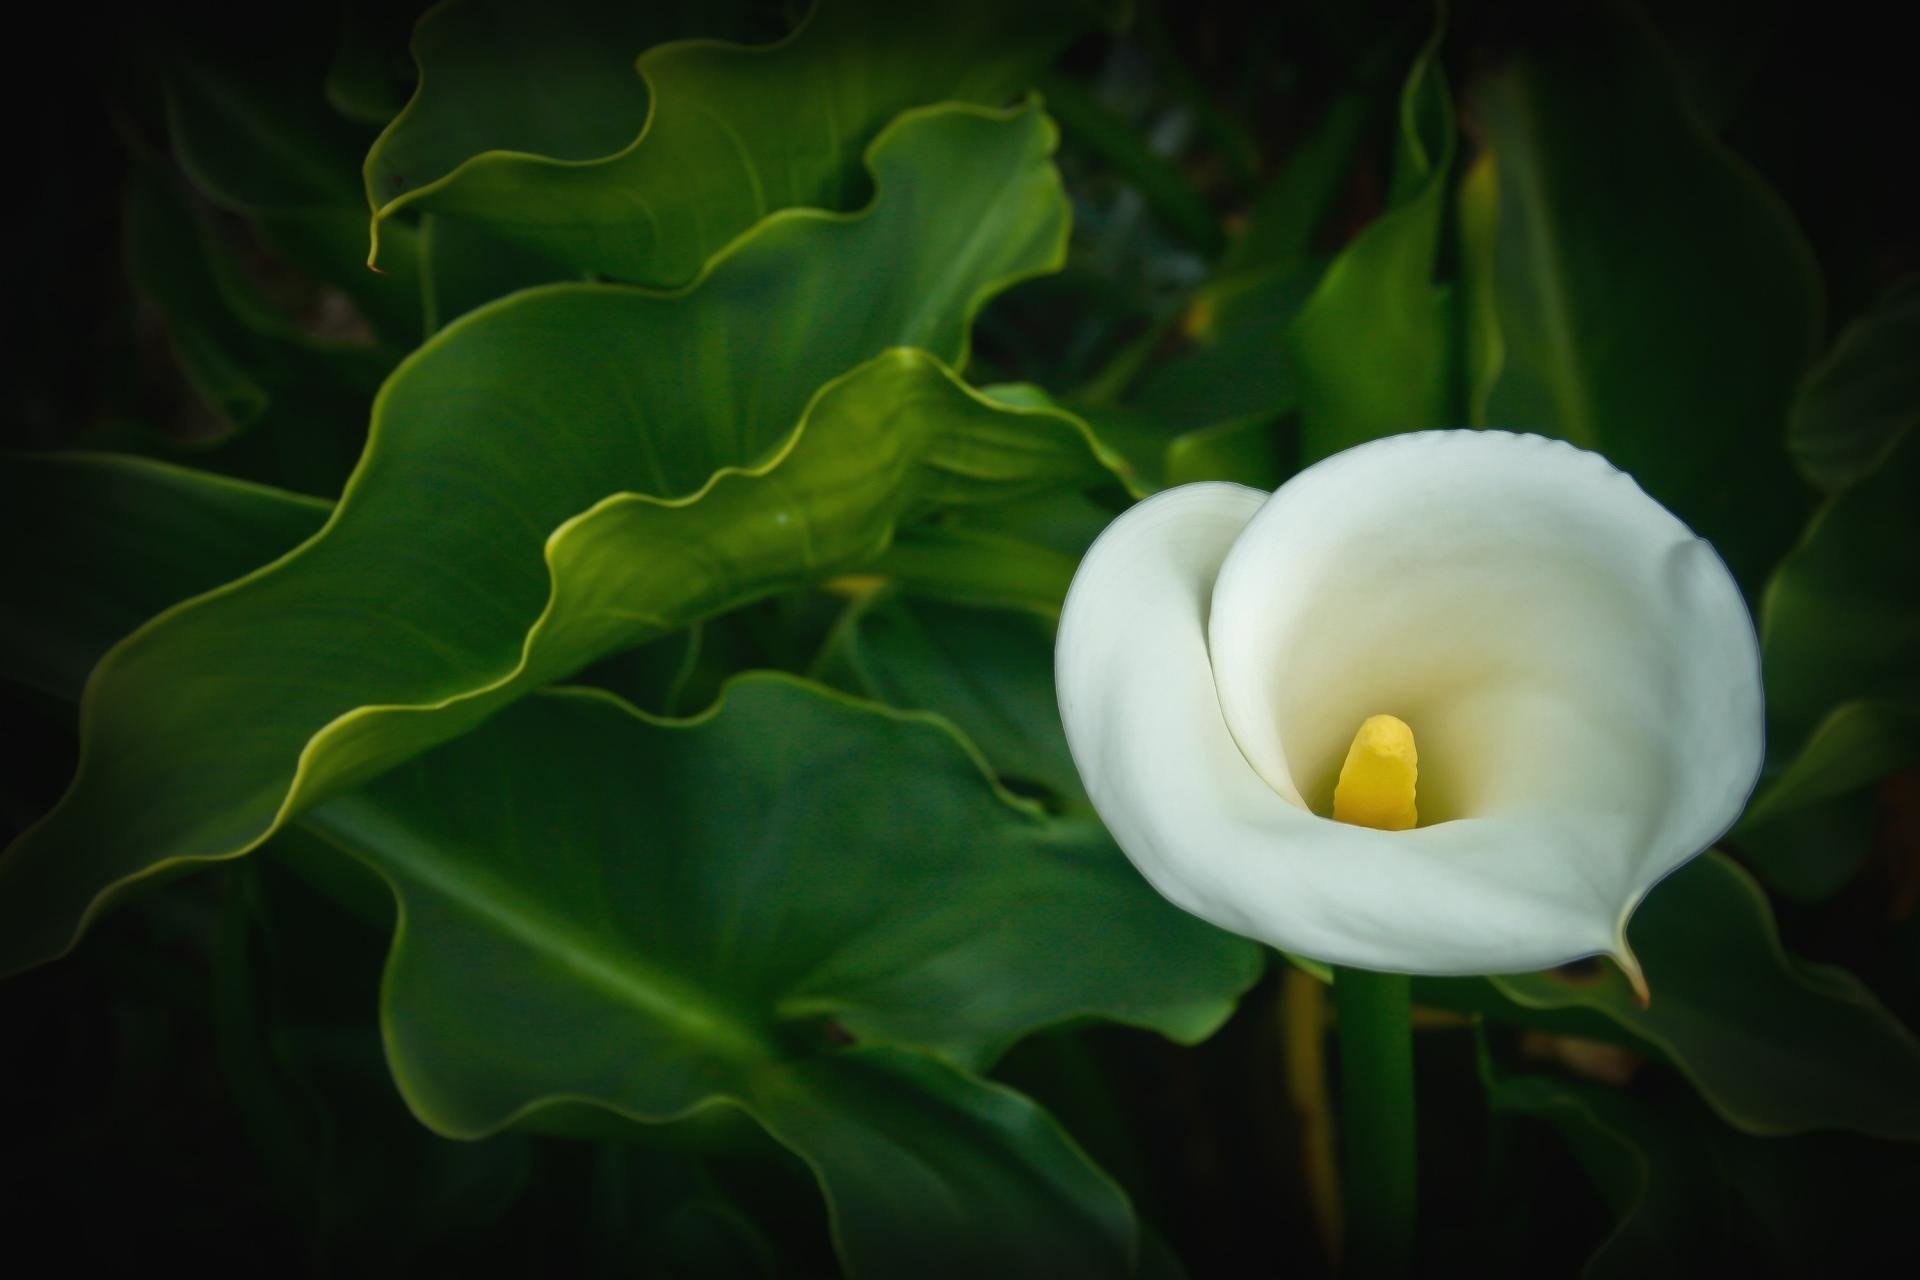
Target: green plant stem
1376,1120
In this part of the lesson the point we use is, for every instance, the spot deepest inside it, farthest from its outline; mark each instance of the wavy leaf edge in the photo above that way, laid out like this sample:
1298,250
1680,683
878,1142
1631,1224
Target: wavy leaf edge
299,790
1829,981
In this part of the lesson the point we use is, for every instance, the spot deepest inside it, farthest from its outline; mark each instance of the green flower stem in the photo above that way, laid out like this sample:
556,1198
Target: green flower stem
1376,1120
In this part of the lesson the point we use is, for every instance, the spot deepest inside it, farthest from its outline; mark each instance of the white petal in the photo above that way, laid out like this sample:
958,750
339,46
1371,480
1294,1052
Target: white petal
1579,671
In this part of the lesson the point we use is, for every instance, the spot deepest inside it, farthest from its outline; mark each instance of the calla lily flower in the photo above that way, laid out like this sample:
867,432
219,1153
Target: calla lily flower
1507,625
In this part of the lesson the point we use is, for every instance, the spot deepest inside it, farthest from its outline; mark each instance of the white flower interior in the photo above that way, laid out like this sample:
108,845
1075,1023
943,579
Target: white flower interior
1578,669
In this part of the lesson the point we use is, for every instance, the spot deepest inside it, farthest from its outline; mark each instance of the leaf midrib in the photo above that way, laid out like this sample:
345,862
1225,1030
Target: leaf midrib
631,979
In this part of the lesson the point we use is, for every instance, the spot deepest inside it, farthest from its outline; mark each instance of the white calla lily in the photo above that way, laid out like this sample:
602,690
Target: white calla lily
1579,671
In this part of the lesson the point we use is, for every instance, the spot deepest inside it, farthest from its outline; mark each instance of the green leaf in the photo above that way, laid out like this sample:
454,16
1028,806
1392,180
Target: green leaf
732,134
1373,350
1864,392
606,465
989,671
99,544
1654,301
657,916
964,565
1840,625
463,267
1810,852
1245,451
557,81
1774,1044
1236,367
930,1172
1020,554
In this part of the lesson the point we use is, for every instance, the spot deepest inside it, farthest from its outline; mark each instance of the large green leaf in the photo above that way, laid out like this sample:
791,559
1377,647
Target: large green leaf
1655,302
989,671
653,917
605,465
97,544
1840,625
1775,1044
732,133
1374,349
1864,392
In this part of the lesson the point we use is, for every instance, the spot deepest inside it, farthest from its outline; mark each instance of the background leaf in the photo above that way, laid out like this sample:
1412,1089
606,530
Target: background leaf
1374,348
292,408
1686,1192
97,544
1863,394
250,124
1623,234
1839,628
1767,1039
